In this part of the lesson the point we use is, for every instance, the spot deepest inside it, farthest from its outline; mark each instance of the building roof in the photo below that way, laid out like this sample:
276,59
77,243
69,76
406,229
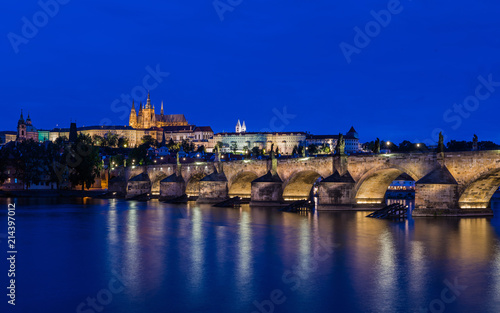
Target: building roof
8,132
336,137
259,133
103,127
171,118
176,129
203,129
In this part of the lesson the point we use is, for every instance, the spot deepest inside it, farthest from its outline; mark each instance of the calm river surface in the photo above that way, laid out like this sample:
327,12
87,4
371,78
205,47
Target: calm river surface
156,257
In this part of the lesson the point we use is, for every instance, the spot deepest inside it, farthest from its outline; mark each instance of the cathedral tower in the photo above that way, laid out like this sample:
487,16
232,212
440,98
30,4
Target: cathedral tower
132,121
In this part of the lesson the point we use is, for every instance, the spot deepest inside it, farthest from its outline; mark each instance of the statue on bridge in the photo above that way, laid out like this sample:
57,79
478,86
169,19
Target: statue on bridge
340,148
474,143
376,148
440,148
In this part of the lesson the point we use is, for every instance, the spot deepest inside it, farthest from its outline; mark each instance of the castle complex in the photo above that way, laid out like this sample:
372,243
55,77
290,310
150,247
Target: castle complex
147,117
146,122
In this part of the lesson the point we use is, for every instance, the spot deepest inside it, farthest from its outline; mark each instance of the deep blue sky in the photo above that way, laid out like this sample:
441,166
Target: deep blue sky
264,55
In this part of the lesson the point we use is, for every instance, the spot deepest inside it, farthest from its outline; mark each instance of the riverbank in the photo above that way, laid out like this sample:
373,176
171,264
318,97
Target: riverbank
94,193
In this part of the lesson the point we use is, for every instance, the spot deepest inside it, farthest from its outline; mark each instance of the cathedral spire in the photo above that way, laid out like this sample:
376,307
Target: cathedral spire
238,127
21,118
148,104
162,108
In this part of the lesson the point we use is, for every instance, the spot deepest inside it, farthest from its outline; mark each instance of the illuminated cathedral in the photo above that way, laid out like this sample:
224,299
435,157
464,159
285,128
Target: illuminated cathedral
147,117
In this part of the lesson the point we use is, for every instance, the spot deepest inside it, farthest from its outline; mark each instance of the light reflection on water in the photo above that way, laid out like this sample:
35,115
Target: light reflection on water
199,258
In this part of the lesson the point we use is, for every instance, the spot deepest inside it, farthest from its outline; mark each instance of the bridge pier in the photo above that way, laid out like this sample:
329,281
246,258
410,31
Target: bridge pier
267,190
213,188
138,185
172,187
336,192
436,193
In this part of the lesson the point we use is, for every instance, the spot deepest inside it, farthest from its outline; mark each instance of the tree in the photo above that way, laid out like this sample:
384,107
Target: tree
4,156
454,145
406,146
111,139
201,149
234,147
140,155
295,151
312,148
123,142
61,139
98,140
86,162
488,145
147,139
325,148
117,160
256,151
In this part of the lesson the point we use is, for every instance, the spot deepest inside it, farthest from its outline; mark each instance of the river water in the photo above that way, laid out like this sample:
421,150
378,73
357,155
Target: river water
92,255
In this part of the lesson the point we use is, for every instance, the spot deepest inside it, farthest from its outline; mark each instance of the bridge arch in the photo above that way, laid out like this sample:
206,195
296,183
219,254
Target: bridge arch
372,186
193,184
299,185
478,193
156,178
241,184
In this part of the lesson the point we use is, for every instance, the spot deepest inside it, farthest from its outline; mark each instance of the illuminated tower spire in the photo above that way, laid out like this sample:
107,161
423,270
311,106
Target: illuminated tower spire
132,121
162,108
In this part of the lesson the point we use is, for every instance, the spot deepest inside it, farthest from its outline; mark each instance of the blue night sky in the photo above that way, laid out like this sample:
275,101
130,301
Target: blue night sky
263,57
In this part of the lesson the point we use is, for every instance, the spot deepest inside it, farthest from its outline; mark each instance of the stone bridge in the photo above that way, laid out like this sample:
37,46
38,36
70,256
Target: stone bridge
458,183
